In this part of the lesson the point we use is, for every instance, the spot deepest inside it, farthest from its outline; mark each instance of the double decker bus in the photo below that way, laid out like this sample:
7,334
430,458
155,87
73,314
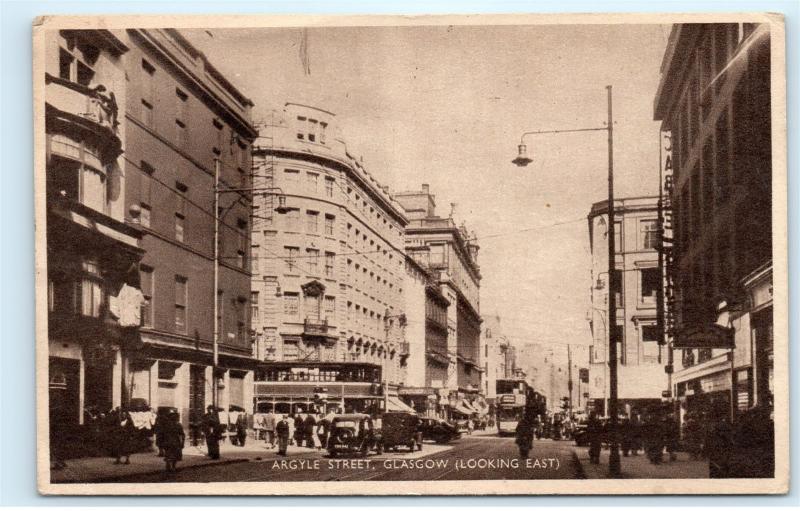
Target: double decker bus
512,398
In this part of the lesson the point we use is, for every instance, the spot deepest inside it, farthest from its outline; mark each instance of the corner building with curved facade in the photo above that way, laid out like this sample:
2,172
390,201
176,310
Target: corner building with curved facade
328,269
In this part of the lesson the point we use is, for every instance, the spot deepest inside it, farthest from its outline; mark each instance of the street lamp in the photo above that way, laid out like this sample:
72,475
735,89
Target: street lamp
523,160
281,208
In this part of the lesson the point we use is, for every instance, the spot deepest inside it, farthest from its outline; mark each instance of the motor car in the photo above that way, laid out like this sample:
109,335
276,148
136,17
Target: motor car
353,433
580,433
438,430
401,429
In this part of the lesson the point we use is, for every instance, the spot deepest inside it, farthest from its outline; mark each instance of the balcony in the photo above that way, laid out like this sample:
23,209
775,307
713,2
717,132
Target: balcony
93,109
318,328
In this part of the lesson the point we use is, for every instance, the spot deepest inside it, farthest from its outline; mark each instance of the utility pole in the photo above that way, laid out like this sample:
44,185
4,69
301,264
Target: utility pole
613,457
569,377
215,340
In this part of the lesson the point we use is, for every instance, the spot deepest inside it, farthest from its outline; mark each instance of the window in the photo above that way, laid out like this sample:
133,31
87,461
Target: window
254,308
291,176
301,121
437,254
182,98
292,220
179,226
180,304
147,113
330,257
255,265
330,309
291,304
241,248
77,61
313,260
220,137
649,231
91,293
312,221
329,181
650,283
290,256
146,276
312,179
312,130
329,223
616,287
322,126
618,248
290,350
241,320
180,134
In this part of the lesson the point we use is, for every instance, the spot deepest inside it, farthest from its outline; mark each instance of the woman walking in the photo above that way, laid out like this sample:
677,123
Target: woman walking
173,439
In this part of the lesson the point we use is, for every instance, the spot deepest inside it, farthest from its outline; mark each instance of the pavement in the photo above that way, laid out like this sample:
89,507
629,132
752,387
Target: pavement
639,467
104,469
472,457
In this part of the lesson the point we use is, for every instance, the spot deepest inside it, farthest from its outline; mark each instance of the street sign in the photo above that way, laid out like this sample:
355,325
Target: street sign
706,336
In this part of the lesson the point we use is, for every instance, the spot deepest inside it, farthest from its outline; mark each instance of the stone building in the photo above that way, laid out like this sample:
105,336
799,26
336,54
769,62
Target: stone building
328,269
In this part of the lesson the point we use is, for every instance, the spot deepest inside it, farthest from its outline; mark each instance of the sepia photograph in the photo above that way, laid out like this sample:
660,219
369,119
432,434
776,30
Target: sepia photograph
411,255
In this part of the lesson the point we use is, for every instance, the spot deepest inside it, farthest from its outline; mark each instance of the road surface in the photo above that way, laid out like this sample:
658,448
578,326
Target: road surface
469,458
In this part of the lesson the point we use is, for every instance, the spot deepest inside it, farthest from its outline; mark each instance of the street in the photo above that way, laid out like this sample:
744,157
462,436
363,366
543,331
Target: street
469,458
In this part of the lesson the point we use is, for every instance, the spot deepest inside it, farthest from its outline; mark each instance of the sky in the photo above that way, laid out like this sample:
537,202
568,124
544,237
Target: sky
446,105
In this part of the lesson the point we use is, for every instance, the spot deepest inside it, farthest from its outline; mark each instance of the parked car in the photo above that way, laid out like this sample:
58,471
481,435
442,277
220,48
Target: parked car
353,433
438,430
401,428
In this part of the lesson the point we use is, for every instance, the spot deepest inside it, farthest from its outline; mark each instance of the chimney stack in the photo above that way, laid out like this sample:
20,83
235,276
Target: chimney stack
425,188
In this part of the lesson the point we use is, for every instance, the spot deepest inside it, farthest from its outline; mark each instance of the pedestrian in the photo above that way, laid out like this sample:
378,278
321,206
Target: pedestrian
653,438
524,436
298,429
212,429
172,441
671,436
470,426
718,447
627,436
309,425
269,429
282,430
636,434
241,429
323,428
158,430
123,433
594,432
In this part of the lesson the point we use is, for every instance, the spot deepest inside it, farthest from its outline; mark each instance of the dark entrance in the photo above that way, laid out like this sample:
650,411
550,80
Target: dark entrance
197,400
98,389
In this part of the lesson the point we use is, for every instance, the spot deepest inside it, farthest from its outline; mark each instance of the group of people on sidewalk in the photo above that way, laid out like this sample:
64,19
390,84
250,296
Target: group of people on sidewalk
281,430
652,433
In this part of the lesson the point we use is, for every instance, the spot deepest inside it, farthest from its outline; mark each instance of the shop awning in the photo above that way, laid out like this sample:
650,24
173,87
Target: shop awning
394,404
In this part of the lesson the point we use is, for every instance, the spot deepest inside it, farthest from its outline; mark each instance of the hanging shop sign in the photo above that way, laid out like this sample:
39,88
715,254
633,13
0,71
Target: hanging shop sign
705,336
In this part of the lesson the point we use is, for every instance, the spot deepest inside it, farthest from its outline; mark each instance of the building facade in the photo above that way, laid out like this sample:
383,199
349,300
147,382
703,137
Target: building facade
92,248
637,281
184,121
425,373
450,253
714,101
328,268
499,356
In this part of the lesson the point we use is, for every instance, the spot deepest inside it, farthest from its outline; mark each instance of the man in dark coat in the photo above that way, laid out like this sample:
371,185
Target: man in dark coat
212,429
282,431
241,429
594,432
309,424
323,428
524,436
298,430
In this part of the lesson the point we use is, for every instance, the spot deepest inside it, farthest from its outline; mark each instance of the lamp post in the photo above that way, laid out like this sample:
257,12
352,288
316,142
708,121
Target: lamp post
523,160
281,208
